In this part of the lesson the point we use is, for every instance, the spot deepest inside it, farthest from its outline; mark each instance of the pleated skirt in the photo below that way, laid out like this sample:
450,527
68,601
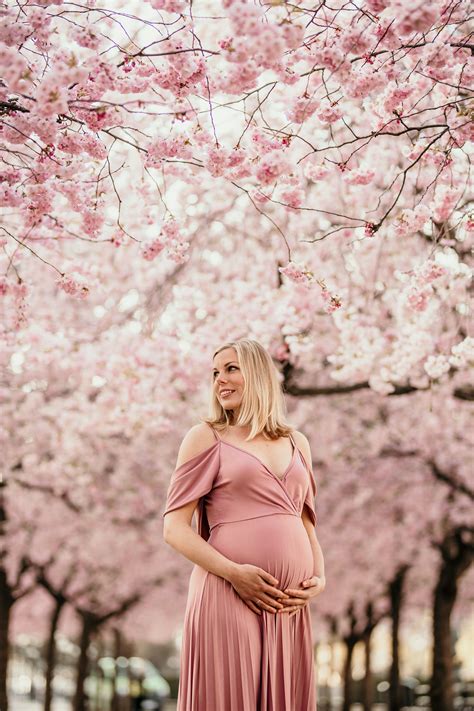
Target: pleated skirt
233,659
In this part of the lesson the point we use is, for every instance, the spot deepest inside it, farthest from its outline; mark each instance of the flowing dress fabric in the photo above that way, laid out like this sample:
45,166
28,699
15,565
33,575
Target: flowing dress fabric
231,658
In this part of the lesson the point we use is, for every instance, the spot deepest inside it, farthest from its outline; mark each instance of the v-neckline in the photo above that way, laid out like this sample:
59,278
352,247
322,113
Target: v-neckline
278,478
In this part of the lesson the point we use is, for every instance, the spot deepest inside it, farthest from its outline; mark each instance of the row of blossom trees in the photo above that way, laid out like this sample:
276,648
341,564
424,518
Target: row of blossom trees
394,518
174,175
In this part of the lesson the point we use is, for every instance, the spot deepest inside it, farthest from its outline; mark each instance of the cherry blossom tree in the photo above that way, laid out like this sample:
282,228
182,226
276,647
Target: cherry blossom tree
399,524
372,99
176,174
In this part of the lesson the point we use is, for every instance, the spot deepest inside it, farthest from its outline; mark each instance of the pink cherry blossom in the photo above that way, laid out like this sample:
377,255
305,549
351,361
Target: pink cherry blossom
271,167
444,202
161,148
74,285
430,272
293,196
359,176
169,5
418,298
331,301
301,109
152,248
313,170
329,114
463,353
436,366
410,221
410,19
298,273
14,69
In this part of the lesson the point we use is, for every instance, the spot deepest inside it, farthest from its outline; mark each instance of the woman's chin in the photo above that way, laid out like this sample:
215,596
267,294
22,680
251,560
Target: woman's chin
229,405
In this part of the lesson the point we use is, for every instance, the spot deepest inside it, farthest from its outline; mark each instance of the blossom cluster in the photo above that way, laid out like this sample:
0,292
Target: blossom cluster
299,274
171,239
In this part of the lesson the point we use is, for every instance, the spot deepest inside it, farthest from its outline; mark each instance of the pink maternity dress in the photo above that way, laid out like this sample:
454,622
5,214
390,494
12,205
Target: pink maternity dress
233,659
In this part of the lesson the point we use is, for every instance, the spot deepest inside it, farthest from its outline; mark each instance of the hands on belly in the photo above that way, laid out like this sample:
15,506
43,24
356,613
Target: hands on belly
258,590
300,597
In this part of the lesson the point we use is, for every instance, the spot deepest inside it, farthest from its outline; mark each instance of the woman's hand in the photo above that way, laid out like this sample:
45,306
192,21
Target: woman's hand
257,588
299,597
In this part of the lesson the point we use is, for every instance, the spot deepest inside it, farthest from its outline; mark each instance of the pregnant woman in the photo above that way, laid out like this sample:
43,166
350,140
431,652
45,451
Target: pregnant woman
247,639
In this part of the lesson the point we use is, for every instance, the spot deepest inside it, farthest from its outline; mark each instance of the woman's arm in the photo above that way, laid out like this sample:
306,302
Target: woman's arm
309,588
177,529
318,568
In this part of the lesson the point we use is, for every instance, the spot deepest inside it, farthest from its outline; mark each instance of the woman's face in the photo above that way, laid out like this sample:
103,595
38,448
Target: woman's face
228,379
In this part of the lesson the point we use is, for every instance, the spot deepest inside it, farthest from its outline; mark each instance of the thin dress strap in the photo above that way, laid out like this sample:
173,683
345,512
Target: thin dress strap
293,441
214,432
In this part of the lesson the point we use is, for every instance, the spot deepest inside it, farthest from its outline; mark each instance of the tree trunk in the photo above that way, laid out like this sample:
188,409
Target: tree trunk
367,688
89,626
6,603
51,653
456,558
350,641
334,637
396,600
117,653
347,674
99,686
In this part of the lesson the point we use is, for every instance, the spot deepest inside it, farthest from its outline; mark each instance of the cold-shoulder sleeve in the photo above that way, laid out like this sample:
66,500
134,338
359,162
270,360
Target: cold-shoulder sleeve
311,495
193,480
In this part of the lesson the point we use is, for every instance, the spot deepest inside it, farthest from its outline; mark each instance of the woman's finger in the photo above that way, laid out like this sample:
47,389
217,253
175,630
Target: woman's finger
291,607
292,601
264,605
297,609
297,593
253,607
269,600
273,592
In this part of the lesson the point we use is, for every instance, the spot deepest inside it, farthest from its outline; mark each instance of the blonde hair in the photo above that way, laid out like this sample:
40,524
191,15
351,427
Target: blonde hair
263,405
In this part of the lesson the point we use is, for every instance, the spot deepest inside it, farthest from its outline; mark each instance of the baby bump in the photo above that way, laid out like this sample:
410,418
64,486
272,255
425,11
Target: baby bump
277,543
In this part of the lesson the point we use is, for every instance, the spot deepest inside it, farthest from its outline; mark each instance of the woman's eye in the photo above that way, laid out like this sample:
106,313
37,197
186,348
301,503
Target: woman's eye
229,368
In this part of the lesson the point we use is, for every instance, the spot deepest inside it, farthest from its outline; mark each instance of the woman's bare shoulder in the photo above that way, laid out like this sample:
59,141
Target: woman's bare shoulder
196,440
300,437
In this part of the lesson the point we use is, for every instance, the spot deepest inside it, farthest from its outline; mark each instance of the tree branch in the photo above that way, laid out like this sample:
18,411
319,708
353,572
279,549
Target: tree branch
465,392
